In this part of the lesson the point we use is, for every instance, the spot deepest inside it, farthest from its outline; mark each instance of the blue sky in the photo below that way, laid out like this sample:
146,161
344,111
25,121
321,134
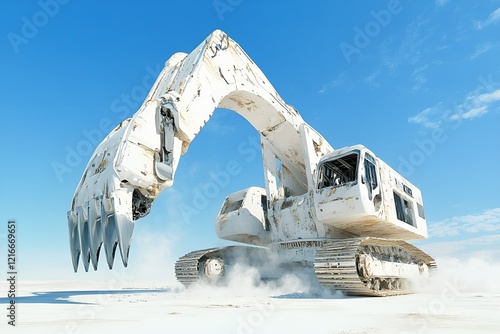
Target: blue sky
417,82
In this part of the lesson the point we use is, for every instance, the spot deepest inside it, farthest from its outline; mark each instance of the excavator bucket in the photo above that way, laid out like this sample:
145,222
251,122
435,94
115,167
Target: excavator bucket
106,204
91,220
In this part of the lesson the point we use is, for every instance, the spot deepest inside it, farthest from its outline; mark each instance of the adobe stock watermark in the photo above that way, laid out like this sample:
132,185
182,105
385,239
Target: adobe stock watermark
122,107
202,195
427,146
488,83
223,6
255,319
372,29
424,148
12,271
30,27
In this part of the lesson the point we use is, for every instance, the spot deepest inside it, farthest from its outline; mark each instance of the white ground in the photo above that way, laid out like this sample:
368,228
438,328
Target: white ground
451,304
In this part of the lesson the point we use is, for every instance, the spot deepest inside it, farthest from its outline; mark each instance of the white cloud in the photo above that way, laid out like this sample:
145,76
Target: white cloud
474,112
410,49
420,80
333,84
419,77
472,106
486,221
371,80
441,3
427,118
475,105
490,97
492,19
480,49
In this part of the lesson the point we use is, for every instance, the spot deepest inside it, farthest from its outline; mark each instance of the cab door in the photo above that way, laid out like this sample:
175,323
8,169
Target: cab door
371,179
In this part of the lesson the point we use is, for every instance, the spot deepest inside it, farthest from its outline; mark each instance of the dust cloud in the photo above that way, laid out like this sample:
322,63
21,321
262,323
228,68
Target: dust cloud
272,279
456,276
468,275
153,260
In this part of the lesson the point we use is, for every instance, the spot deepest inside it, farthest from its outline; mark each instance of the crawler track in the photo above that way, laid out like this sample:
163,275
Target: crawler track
192,267
340,265
357,266
187,267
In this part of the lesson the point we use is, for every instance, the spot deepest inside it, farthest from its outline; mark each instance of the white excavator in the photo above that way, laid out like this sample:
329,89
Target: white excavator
341,214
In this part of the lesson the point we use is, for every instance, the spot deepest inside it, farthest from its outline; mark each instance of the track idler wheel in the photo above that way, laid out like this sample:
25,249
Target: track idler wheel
214,269
364,265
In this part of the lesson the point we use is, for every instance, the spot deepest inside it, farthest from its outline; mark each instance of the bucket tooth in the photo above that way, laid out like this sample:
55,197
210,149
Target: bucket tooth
74,240
83,230
110,236
124,228
96,230
121,204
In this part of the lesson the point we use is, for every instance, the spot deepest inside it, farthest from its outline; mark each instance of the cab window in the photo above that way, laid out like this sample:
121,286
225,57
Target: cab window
338,171
370,171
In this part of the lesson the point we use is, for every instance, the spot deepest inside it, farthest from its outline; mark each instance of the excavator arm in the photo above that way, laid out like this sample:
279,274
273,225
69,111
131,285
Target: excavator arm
139,158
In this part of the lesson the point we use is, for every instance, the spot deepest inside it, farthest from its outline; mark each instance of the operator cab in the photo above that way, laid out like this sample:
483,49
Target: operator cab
361,194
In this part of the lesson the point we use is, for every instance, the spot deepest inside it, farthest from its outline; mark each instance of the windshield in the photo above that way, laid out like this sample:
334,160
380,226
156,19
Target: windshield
338,171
